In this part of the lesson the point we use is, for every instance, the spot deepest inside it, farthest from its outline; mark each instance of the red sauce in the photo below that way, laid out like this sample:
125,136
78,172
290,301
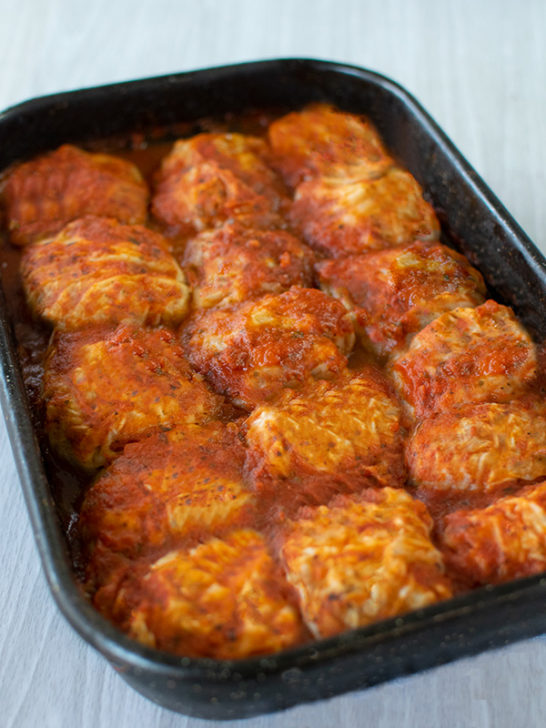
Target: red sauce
68,484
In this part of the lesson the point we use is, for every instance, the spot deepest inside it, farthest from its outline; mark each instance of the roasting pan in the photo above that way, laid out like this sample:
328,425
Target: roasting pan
472,219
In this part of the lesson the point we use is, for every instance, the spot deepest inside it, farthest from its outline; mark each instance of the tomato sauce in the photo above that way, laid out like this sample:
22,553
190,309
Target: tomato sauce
69,484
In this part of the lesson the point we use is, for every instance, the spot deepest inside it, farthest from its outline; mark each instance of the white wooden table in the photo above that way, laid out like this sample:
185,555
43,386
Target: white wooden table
480,70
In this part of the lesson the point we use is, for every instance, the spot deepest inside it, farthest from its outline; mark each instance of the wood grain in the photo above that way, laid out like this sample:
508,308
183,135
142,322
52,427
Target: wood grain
480,70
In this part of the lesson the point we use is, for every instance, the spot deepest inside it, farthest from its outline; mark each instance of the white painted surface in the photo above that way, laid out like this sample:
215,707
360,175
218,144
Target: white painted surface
479,67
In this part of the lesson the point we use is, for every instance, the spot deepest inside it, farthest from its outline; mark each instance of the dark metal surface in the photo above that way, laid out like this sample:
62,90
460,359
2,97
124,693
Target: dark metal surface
472,218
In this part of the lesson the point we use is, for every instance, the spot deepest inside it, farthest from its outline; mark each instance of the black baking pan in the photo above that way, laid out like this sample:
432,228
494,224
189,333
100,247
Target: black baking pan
472,219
